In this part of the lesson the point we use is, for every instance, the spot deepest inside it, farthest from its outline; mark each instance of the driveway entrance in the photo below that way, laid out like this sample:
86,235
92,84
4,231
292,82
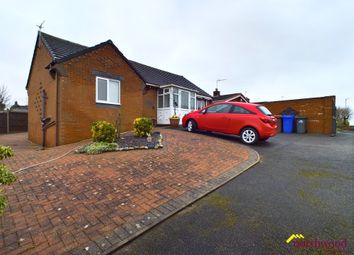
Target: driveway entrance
303,184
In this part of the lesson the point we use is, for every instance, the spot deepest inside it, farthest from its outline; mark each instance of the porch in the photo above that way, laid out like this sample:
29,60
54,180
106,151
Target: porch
172,99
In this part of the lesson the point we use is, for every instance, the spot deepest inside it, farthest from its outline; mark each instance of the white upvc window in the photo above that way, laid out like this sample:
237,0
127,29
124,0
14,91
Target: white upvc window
200,103
192,100
184,99
107,91
163,99
175,98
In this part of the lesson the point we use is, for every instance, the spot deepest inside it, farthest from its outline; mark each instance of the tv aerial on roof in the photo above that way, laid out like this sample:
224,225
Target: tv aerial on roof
40,26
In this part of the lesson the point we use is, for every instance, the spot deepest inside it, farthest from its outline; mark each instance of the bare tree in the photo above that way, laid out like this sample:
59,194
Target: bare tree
343,115
4,97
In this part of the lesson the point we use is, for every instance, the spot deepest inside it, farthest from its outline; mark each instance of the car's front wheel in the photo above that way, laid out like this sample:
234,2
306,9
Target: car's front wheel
191,126
249,136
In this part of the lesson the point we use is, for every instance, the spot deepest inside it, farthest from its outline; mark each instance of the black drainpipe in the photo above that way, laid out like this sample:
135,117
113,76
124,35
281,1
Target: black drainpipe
57,110
43,118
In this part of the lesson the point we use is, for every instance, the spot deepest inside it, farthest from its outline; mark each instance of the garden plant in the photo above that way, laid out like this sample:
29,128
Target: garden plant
6,177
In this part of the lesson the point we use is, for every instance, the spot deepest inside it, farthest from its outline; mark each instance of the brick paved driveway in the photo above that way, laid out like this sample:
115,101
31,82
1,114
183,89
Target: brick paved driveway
28,154
91,204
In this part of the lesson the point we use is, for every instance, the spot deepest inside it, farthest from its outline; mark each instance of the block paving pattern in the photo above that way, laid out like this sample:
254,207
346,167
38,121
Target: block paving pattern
28,154
82,204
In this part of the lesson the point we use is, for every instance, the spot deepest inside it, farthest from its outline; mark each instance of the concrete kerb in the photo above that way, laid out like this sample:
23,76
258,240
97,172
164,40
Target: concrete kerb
130,231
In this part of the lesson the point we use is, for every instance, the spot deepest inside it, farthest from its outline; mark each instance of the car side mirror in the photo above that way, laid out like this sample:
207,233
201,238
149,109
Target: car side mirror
203,112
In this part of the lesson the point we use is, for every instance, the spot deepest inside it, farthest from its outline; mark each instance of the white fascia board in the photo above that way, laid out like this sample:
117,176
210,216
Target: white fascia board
152,85
204,97
232,98
180,87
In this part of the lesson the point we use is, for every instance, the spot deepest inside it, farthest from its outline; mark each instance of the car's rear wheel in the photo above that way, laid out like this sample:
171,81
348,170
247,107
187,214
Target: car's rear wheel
249,135
191,126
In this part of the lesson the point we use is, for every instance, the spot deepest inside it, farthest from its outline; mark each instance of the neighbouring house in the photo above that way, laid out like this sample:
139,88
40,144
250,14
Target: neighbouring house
14,119
70,86
235,97
18,108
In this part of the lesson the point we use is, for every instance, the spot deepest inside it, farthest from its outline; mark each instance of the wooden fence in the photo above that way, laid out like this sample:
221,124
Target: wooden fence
13,122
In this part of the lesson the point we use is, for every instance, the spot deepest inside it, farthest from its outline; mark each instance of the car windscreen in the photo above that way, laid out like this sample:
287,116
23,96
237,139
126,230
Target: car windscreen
264,110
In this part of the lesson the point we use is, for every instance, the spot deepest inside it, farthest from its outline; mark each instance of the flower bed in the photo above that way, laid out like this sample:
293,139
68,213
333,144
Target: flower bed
125,142
130,142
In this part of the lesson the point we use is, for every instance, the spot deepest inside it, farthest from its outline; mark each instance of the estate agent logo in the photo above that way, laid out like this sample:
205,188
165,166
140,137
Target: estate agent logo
338,247
296,236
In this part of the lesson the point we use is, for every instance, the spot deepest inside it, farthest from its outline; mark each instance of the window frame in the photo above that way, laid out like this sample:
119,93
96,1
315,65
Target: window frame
201,102
165,92
192,97
218,105
188,100
240,107
175,93
108,91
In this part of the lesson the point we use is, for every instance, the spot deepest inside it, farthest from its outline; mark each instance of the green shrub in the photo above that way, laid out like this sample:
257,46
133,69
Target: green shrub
6,177
142,126
98,147
3,203
5,152
103,131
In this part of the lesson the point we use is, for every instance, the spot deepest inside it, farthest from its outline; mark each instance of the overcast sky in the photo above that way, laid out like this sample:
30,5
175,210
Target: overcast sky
268,50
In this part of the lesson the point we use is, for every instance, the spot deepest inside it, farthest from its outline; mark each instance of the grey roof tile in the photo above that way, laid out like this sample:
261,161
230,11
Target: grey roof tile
159,77
228,96
61,50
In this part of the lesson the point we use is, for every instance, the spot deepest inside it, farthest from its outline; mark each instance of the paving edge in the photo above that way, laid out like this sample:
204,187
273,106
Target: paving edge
129,231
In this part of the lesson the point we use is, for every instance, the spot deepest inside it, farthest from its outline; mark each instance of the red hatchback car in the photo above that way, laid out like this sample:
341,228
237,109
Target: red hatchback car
252,122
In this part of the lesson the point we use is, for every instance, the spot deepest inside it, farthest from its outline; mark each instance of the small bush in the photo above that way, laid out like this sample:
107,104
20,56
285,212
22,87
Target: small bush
98,147
142,126
6,177
3,203
103,131
5,152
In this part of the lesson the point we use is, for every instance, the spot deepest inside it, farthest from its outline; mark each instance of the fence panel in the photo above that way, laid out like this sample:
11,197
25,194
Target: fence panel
18,122
3,122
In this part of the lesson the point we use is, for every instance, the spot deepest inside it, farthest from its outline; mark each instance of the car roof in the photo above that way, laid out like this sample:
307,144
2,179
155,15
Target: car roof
236,103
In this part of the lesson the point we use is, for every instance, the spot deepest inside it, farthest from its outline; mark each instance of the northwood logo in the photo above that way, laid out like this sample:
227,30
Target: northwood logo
296,236
338,247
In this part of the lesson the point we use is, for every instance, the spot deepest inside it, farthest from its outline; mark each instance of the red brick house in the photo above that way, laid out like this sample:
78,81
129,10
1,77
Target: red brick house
234,97
70,86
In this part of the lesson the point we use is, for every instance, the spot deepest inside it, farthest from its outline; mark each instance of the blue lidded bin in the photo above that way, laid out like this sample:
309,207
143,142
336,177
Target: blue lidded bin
288,123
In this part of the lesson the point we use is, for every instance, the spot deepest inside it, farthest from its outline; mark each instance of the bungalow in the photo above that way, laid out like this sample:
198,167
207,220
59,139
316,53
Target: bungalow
70,86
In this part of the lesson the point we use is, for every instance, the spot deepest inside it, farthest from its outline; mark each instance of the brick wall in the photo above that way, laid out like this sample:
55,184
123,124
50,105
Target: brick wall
150,103
319,111
41,79
77,93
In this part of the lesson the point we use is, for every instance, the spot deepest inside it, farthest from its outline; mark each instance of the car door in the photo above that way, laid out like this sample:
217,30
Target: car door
237,119
214,118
